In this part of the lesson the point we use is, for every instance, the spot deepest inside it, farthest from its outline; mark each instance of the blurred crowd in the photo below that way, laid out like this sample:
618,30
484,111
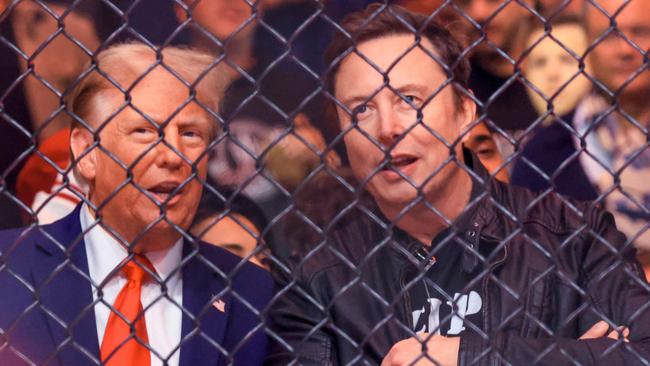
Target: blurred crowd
561,89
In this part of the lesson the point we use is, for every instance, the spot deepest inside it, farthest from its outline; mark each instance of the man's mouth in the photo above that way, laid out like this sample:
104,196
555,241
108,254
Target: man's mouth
163,191
400,161
399,166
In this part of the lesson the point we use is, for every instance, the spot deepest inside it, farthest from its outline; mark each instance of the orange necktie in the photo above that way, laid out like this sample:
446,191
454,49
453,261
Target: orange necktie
121,346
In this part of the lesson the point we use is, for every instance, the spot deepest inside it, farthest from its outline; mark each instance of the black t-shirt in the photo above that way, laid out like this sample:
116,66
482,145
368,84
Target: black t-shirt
448,297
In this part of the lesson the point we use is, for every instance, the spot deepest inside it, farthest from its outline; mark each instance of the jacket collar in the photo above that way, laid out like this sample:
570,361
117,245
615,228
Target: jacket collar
64,291
478,226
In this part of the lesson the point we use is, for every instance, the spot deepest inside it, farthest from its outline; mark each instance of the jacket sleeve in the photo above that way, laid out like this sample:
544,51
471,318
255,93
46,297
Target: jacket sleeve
506,349
616,291
297,323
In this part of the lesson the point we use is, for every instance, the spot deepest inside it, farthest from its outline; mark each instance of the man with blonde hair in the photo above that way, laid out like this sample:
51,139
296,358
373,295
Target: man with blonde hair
118,281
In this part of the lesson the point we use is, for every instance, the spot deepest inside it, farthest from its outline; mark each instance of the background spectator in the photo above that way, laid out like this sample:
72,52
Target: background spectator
265,156
552,65
614,124
557,83
32,91
493,79
278,128
232,221
480,140
221,26
46,183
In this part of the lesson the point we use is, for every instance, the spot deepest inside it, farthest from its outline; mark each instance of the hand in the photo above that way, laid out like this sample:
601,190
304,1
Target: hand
444,350
599,330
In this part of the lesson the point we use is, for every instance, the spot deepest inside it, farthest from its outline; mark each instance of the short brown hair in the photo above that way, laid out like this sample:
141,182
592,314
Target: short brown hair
381,20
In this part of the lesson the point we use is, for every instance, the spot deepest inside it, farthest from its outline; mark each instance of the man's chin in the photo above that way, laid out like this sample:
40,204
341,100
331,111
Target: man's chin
170,221
159,236
157,222
395,195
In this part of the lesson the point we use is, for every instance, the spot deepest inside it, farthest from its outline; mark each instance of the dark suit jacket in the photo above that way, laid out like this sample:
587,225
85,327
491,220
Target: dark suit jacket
46,313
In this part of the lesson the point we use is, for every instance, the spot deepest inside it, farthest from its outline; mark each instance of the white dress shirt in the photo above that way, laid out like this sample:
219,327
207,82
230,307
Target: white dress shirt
164,317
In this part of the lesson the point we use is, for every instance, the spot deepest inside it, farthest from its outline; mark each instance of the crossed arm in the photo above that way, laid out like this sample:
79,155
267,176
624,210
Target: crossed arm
429,348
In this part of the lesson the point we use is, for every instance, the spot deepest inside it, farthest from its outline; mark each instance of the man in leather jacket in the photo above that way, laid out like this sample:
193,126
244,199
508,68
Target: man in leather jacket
452,266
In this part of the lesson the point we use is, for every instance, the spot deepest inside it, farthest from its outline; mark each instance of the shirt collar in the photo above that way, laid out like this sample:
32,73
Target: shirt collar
105,252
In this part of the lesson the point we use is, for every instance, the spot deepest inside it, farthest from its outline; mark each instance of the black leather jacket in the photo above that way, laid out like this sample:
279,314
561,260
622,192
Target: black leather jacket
552,270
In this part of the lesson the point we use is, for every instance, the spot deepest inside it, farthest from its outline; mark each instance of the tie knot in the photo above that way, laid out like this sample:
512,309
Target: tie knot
134,270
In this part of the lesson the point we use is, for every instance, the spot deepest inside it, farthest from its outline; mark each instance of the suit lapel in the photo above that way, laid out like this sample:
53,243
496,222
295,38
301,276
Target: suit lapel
206,307
61,274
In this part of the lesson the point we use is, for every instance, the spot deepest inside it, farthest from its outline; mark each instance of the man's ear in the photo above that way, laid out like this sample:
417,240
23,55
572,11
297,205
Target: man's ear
85,155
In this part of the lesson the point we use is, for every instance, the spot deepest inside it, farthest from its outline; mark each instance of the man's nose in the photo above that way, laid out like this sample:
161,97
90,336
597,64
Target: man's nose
390,126
168,151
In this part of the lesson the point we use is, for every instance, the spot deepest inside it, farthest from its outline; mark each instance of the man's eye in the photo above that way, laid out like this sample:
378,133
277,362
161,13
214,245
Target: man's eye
193,135
485,152
360,109
142,130
410,100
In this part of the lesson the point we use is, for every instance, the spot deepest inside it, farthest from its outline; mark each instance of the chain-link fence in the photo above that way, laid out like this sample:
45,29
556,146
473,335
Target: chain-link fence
324,182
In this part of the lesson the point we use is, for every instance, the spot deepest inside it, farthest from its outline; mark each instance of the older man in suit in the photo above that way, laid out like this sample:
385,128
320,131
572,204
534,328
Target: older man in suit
118,282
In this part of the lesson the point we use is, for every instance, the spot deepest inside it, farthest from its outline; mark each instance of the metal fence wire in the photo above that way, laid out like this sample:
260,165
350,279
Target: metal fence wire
324,182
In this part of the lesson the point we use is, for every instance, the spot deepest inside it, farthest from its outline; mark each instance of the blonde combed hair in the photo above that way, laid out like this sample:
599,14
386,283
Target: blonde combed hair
124,65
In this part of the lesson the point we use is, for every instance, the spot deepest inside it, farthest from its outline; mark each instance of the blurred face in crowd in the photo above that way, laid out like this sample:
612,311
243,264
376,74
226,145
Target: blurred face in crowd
618,58
33,28
481,141
553,69
414,155
219,17
500,24
234,233
146,179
